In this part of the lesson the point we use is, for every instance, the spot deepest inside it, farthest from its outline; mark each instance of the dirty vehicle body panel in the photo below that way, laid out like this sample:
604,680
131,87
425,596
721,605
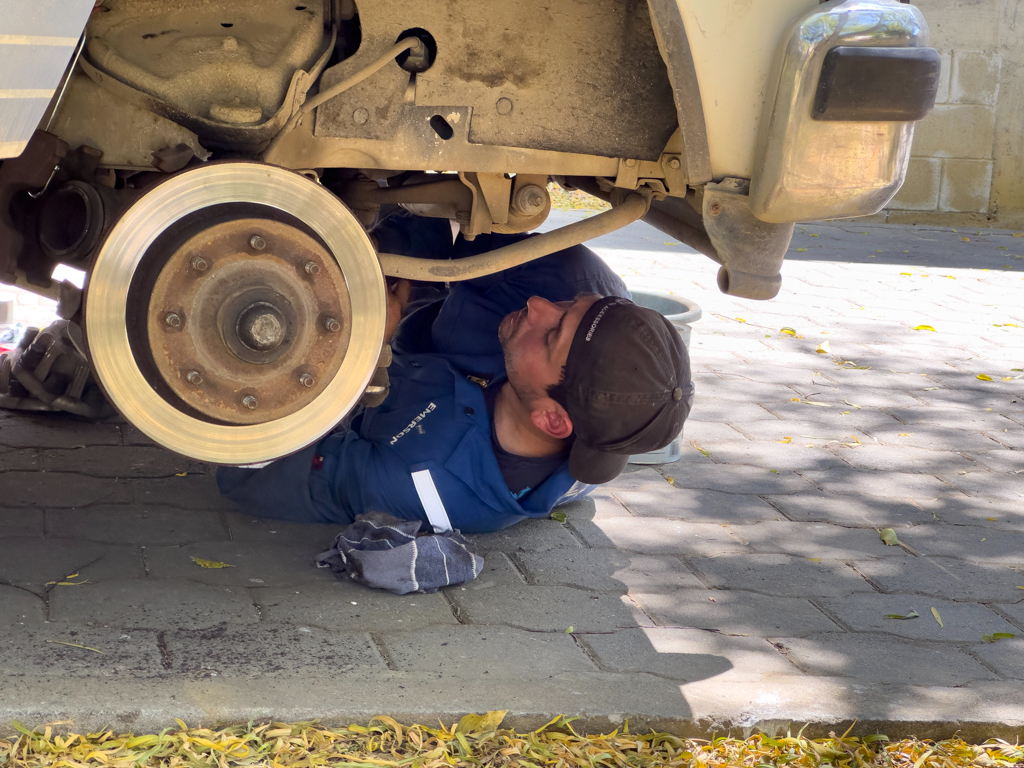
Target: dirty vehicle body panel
214,167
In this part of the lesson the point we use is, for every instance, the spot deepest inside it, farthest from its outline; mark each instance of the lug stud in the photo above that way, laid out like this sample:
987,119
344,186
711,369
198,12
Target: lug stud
332,325
257,243
250,402
194,378
199,264
306,380
312,267
173,320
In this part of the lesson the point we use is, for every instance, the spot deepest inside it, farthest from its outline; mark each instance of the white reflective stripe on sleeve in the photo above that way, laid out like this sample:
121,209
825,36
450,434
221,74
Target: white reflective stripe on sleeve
431,501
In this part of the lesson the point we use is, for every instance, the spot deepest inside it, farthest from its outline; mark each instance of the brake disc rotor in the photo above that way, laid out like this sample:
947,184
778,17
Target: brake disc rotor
235,338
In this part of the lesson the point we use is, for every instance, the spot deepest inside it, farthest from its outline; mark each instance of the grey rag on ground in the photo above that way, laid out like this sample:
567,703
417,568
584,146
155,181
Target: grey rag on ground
384,552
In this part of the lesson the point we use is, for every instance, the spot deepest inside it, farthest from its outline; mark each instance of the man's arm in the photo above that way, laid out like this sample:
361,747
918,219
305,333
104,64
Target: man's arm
398,297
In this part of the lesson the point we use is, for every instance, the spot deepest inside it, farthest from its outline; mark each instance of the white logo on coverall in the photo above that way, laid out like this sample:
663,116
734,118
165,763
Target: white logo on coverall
412,424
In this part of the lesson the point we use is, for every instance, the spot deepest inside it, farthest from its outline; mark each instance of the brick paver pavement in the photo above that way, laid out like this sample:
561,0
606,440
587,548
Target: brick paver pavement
745,585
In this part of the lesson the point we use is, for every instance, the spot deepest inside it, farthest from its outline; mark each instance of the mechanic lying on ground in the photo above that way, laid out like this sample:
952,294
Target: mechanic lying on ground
510,394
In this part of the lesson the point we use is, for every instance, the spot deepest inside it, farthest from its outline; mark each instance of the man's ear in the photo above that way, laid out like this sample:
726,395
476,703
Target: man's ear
551,419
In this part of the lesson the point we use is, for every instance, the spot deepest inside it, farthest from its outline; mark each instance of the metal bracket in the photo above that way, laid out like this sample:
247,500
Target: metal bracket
751,250
628,175
491,195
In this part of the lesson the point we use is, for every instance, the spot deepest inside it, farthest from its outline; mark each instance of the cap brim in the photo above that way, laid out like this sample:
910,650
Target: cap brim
595,467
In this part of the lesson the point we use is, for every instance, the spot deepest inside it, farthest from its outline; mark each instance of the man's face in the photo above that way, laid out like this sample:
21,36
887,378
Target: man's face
536,342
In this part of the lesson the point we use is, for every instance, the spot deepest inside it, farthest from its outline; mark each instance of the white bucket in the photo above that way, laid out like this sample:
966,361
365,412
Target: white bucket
681,313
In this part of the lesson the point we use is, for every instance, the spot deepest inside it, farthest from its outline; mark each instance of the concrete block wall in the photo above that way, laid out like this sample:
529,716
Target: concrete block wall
967,161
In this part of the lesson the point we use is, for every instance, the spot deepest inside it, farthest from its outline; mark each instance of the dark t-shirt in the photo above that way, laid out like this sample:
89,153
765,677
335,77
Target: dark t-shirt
521,473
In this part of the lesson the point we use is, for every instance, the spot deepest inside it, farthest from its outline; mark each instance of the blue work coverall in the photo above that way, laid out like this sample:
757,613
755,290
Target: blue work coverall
428,445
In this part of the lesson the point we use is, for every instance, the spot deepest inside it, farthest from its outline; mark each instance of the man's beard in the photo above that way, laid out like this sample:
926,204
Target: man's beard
525,392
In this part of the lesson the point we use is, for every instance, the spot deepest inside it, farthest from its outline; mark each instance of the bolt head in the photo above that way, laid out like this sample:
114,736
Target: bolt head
630,162
360,116
173,320
306,380
250,402
195,378
530,200
674,164
257,243
332,325
312,268
503,106
715,208
199,264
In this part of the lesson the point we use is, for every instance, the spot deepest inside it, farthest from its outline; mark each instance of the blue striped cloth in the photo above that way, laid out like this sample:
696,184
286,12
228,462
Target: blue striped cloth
383,552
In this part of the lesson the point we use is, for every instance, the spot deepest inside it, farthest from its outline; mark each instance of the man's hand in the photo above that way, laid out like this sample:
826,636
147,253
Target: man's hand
398,297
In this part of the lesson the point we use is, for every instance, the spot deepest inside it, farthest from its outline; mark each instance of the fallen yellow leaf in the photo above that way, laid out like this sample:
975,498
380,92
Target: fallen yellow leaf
966,239
906,273
210,563
935,613
794,399
788,331
181,474
785,440
801,249
905,434
984,377
823,348
888,537
923,328
740,320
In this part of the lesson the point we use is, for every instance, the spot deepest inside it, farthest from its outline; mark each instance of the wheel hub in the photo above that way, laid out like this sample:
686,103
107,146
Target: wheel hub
251,322
235,338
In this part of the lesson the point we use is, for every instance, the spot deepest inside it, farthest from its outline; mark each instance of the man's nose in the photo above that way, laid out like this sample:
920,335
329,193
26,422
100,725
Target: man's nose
540,311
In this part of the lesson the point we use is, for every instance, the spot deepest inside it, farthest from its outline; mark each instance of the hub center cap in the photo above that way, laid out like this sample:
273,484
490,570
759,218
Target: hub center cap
260,327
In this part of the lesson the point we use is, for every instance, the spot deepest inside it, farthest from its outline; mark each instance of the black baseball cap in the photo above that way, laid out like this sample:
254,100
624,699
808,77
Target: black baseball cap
627,387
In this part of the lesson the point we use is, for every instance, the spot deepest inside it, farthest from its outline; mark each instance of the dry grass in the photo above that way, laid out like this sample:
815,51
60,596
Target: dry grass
574,200
477,740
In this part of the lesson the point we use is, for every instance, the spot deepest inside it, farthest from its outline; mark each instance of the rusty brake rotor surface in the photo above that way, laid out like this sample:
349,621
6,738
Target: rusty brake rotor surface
235,313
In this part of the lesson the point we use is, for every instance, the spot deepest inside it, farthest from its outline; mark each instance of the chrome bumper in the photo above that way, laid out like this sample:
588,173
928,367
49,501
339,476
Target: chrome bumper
812,165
